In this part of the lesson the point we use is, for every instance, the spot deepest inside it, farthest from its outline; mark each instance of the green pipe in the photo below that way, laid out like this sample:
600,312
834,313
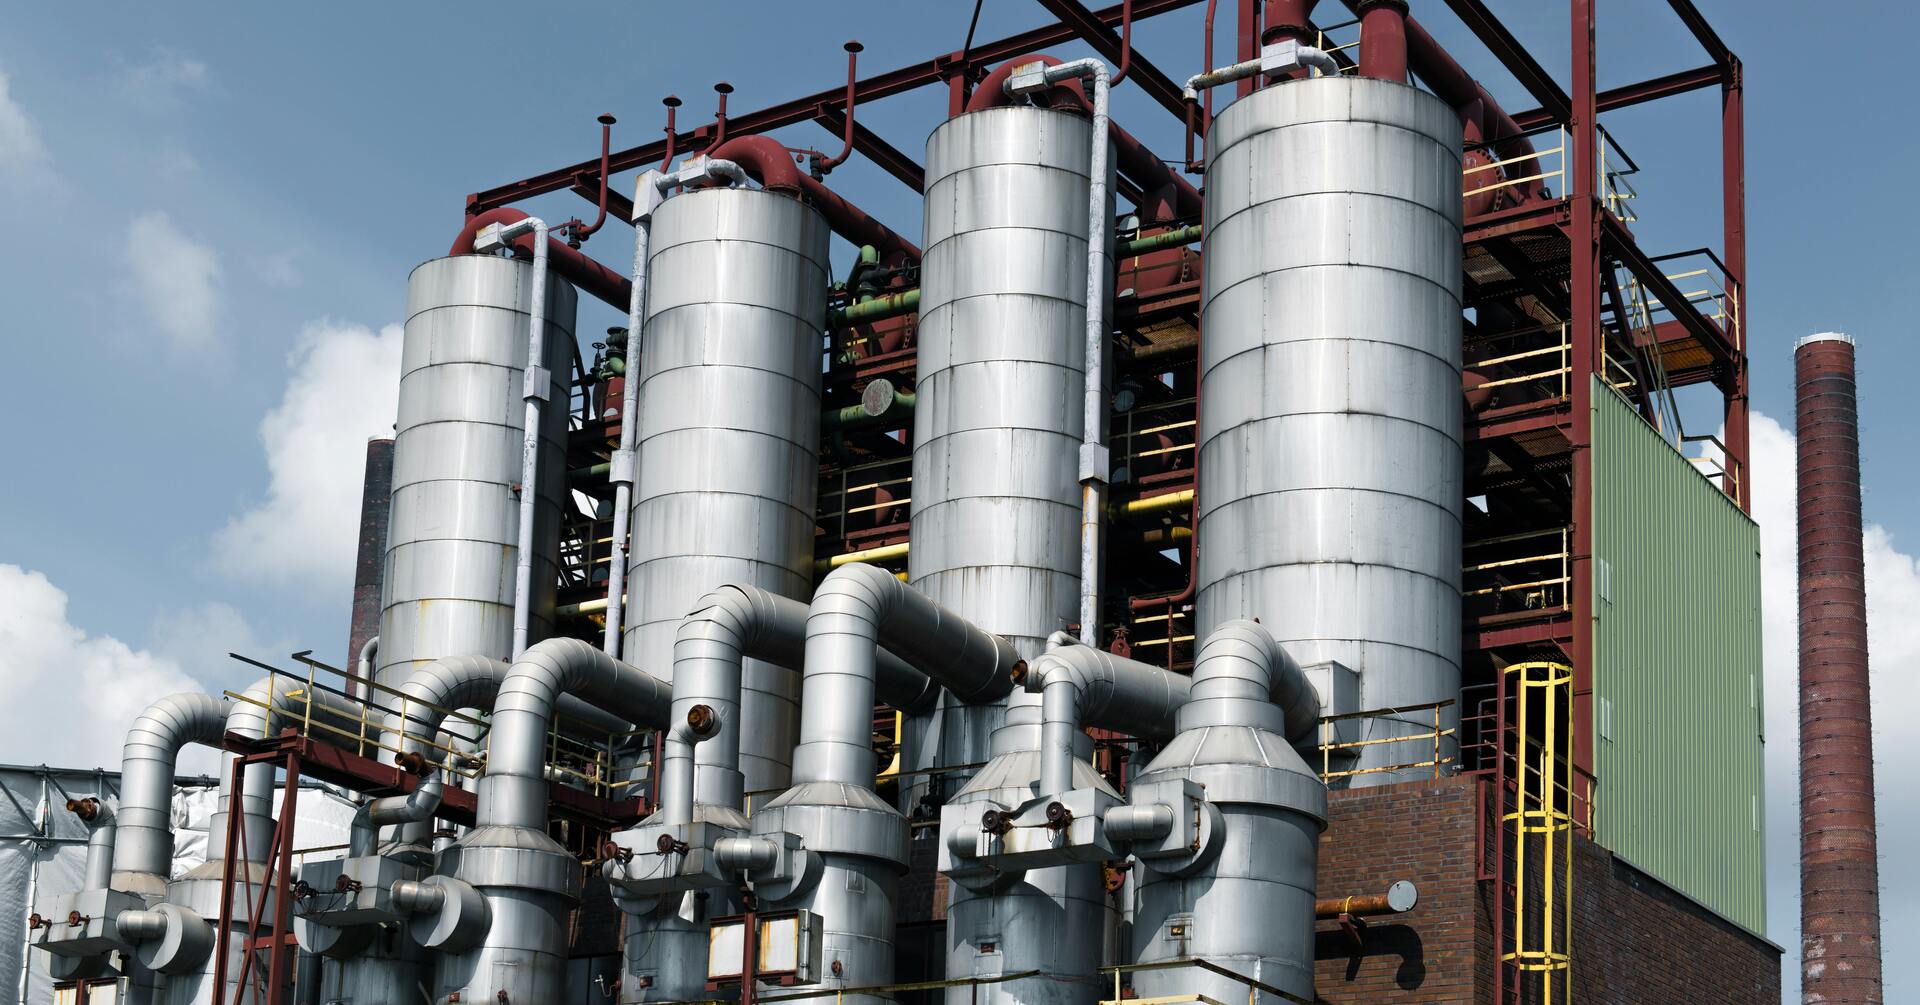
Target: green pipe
880,308
880,401
1155,242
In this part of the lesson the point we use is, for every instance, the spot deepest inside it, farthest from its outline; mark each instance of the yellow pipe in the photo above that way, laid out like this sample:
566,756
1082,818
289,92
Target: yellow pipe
881,553
1154,504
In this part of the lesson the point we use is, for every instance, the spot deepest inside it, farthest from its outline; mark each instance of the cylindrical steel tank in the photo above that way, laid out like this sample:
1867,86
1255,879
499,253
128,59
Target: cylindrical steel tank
729,433
1330,435
997,420
996,497
452,540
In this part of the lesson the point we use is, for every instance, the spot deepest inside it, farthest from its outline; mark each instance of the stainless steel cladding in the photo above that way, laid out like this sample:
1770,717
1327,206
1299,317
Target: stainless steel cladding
451,545
997,422
1330,457
729,433
996,497
1236,889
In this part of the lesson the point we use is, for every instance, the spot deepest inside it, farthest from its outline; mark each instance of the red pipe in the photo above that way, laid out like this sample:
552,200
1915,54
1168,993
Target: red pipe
719,118
1126,43
846,145
672,101
767,160
590,276
1170,196
606,144
1383,40
1286,19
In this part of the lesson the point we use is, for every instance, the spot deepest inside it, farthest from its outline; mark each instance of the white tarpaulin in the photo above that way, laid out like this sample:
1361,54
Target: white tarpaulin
43,850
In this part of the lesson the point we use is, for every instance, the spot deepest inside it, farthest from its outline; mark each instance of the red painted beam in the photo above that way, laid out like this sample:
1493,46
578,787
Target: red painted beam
1703,32
873,88
888,157
1625,96
1515,57
1095,33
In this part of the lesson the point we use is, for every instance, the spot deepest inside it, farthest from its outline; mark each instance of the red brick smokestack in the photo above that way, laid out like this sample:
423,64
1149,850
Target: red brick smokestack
1839,873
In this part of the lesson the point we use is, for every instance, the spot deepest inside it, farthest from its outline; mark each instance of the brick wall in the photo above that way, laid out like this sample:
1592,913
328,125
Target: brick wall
1635,939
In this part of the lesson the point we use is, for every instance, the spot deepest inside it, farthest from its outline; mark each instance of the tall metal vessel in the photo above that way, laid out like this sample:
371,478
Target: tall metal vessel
729,434
996,498
1330,434
452,541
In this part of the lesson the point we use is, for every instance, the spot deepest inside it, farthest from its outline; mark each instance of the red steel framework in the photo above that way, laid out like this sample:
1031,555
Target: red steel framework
1562,257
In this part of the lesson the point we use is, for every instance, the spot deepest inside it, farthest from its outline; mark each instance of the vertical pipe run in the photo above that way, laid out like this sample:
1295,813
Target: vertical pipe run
1839,872
534,391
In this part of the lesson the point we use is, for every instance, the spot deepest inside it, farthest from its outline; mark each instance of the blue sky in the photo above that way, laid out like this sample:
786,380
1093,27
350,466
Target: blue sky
214,211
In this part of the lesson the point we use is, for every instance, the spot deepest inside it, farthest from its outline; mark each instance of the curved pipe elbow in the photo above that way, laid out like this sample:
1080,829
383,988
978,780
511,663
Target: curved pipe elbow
1240,659
1112,692
149,759
513,792
974,665
589,275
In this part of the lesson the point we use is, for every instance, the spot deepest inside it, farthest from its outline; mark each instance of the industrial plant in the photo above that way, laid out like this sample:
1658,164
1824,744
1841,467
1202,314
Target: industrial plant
1289,568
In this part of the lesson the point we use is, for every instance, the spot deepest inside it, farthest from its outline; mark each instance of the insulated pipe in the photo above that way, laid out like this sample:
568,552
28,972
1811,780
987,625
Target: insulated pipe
1084,686
1093,450
99,819
513,793
739,622
1240,662
534,391
414,807
766,159
609,286
365,665
143,848
856,609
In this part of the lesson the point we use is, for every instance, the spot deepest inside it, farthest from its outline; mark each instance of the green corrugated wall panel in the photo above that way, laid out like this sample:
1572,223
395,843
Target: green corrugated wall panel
1677,671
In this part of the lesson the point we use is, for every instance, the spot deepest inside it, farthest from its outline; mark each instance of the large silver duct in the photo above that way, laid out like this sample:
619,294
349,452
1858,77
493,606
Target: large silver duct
496,911
176,936
667,942
729,426
1001,375
143,843
1225,823
452,542
1330,434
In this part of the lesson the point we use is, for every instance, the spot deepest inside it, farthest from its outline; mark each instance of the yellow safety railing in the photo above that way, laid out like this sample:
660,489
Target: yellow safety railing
577,751
1543,827
1544,570
1431,743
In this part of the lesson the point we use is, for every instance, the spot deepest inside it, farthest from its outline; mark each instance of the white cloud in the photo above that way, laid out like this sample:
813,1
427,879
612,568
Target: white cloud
341,391
1893,595
70,696
163,78
175,278
202,636
22,154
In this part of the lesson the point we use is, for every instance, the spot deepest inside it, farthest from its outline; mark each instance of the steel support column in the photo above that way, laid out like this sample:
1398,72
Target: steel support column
1733,197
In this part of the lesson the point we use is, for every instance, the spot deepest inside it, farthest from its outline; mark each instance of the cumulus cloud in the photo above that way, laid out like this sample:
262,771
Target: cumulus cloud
1893,594
340,391
70,696
22,153
175,278
200,637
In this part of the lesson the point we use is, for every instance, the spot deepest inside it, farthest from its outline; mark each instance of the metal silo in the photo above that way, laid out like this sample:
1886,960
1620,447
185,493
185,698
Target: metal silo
451,545
729,433
1330,435
996,497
